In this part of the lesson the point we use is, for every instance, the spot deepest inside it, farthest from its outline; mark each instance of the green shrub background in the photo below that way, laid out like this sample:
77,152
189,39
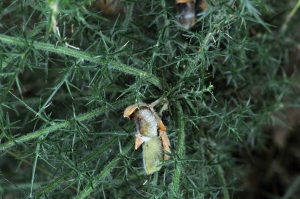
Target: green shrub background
68,73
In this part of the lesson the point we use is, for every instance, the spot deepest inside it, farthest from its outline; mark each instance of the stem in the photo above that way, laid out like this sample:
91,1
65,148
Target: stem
98,179
222,178
289,17
223,181
199,56
57,126
180,150
101,60
57,182
34,166
292,189
154,184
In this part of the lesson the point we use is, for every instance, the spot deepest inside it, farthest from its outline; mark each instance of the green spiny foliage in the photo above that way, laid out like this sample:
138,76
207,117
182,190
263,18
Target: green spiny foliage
67,74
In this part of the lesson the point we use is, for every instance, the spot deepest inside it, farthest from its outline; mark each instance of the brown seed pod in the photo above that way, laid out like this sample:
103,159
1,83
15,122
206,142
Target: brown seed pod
185,12
110,8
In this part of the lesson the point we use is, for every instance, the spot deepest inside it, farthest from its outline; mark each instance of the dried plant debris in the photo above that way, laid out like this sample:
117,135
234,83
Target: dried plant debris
151,132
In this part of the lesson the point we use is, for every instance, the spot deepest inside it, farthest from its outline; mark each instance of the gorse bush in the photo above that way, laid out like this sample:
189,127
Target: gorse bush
68,73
